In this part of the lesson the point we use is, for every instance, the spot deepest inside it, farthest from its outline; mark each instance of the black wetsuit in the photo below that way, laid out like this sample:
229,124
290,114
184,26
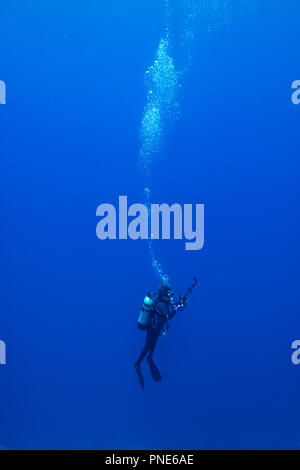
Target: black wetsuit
163,311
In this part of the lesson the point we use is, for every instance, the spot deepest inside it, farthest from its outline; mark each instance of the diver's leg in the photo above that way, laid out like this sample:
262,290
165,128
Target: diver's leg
153,368
141,356
140,375
147,347
154,338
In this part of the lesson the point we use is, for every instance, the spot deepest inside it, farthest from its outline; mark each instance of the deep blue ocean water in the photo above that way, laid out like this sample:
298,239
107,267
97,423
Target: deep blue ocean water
69,132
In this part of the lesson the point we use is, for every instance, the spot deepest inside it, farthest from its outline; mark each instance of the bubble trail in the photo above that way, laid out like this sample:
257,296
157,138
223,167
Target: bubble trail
163,83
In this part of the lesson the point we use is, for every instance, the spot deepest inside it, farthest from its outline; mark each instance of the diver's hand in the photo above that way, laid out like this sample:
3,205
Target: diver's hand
182,303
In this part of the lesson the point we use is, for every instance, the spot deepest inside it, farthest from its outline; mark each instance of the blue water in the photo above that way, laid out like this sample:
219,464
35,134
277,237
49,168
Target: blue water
70,140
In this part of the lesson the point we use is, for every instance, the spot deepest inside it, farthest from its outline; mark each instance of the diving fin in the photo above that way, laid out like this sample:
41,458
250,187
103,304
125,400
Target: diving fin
154,371
140,375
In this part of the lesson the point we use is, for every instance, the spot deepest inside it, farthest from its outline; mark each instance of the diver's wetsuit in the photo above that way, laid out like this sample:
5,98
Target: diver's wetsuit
163,312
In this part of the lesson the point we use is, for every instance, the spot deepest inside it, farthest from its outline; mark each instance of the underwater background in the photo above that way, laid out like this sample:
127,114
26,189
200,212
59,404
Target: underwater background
71,139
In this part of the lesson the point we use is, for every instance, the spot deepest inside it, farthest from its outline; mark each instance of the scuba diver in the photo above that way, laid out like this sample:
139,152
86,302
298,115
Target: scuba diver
156,311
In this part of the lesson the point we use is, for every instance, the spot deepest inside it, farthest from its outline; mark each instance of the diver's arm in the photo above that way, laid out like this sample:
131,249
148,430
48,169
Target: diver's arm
161,308
164,311
175,307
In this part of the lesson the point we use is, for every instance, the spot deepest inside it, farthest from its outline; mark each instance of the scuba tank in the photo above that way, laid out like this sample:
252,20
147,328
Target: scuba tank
146,310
